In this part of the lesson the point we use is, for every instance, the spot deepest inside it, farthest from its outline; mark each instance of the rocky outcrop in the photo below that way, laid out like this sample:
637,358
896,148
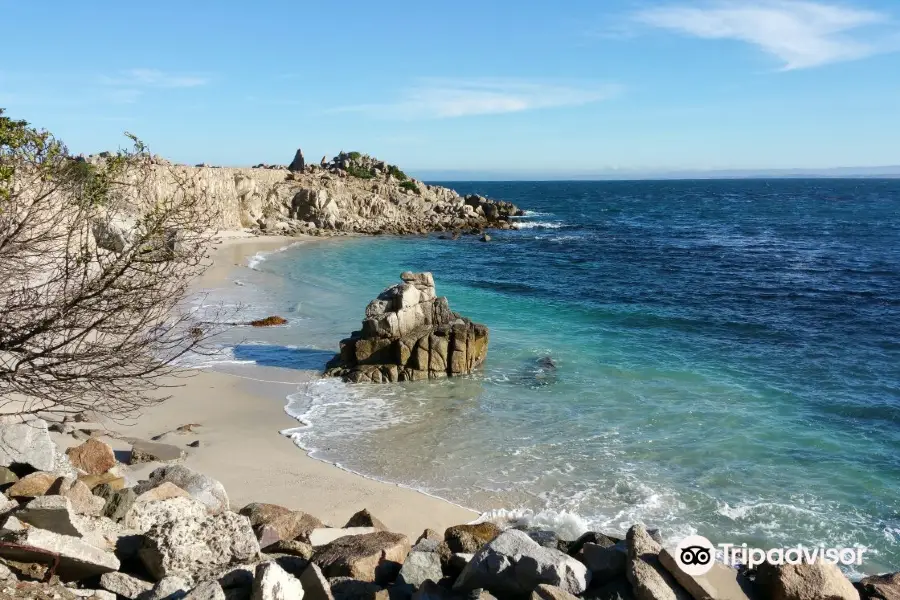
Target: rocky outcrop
410,334
352,193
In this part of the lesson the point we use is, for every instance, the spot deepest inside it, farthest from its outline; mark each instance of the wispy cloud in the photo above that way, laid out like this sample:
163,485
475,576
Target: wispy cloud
449,98
801,34
154,78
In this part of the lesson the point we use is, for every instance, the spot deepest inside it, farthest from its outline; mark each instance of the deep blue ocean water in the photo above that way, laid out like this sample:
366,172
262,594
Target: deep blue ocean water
728,359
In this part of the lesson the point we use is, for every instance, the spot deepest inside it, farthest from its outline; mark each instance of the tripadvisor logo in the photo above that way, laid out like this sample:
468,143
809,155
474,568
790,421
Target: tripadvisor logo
695,555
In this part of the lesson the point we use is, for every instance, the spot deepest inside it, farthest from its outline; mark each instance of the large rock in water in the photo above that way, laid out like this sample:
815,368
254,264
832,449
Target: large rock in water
410,334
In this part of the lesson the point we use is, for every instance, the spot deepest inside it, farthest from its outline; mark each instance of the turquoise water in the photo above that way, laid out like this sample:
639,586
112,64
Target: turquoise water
728,359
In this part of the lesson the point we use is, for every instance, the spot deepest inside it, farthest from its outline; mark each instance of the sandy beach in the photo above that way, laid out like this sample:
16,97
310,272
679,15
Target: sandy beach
240,444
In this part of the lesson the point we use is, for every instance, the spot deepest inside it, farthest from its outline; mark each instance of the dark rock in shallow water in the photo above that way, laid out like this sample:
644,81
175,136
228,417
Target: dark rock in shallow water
410,334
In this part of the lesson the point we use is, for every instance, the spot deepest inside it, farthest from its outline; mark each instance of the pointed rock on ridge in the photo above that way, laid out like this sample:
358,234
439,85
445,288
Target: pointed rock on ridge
299,163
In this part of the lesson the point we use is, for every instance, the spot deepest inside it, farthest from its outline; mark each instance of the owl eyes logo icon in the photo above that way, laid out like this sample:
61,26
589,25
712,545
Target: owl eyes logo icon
695,555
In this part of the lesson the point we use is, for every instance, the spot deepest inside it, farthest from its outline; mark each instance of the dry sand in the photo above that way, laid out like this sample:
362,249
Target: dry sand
241,446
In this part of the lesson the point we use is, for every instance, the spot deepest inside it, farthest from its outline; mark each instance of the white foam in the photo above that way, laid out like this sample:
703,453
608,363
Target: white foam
254,261
540,225
568,526
533,213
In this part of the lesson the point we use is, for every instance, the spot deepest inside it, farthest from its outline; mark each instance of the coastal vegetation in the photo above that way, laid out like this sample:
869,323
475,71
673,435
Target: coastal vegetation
411,186
93,269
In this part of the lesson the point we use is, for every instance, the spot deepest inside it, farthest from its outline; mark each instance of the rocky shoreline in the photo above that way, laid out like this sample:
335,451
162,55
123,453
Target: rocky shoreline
77,525
352,193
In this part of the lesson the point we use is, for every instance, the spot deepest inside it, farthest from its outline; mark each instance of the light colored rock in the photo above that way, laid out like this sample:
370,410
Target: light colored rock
77,560
167,588
374,556
113,480
106,534
208,590
53,513
33,485
93,457
274,583
143,452
720,583
201,487
27,443
83,501
274,524
514,564
649,579
551,592
189,545
12,523
5,572
418,567
124,585
7,505
315,586
95,594
164,491
325,535
7,476
817,581
114,232
142,517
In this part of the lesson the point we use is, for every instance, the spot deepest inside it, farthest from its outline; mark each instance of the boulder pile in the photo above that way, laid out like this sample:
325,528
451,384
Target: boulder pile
410,334
176,536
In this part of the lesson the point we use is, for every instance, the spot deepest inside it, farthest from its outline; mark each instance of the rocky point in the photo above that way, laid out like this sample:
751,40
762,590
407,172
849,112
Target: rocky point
410,334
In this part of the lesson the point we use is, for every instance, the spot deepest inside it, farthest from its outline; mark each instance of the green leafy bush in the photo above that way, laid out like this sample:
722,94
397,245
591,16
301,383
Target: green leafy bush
410,185
354,155
397,173
361,172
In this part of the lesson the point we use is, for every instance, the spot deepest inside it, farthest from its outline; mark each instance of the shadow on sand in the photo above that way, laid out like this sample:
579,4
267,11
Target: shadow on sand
270,355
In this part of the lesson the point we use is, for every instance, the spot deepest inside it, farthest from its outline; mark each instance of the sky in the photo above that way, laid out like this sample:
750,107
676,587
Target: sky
575,86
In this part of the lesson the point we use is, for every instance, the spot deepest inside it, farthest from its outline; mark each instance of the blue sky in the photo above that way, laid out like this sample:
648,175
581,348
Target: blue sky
573,86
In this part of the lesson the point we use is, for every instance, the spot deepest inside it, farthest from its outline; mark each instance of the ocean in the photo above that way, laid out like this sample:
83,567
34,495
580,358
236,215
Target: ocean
727,360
